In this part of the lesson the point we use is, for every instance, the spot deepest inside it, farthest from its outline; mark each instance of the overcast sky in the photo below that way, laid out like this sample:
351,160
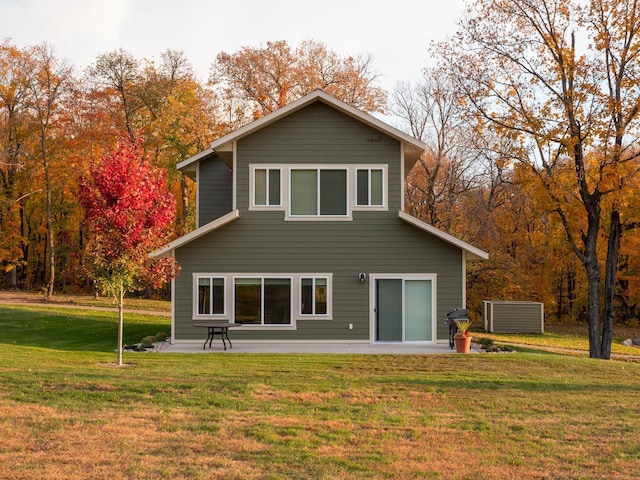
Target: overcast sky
395,32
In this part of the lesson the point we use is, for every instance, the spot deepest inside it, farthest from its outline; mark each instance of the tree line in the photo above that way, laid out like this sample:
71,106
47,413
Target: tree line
531,132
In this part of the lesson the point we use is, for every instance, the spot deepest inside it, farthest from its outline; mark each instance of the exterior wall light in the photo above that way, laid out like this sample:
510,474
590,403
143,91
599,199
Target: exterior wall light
362,277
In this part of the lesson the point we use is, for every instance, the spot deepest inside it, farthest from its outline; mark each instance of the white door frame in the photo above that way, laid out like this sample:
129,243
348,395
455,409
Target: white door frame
374,277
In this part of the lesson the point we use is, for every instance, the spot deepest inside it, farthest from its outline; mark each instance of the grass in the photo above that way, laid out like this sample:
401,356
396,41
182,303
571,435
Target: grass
67,413
130,303
70,329
569,337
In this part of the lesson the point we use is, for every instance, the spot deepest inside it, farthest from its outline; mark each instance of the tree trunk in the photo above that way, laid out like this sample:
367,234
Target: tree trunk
560,308
51,241
592,268
120,323
611,269
12,279
571,291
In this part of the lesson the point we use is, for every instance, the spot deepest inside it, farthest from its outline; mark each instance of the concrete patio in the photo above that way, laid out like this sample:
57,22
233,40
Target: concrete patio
338,348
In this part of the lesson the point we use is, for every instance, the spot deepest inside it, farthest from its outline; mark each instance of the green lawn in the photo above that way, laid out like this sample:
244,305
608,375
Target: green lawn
67,413
569,337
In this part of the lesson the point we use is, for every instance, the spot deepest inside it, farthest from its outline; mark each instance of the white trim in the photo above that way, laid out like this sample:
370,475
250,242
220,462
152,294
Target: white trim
318,168
432,277
264,326
229,296
198,193
464,279
403,180
385,188
197,233
173,306
194,159
285,189
195,307
252,186
473,253
314,316
234,174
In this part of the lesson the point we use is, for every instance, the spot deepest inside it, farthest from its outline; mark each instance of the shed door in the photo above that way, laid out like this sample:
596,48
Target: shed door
403,309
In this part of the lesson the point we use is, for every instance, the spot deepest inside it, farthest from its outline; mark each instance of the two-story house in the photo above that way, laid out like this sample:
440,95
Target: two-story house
302,235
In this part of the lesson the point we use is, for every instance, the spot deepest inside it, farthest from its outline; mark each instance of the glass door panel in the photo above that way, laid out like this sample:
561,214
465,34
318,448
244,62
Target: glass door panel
418,317
389,310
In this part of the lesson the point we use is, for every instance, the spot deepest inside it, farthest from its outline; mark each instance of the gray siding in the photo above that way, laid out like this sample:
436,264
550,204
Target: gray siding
371,245
215,190
514,317
373,242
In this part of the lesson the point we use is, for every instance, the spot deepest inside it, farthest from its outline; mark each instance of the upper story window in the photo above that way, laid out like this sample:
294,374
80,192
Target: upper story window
318,192
370,187
267,190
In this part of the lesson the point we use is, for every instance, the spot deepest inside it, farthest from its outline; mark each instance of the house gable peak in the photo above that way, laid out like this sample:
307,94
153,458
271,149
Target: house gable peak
413,148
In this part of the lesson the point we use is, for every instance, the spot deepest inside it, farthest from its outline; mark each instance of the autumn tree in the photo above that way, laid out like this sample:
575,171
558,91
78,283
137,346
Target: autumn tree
259,80
48,81
560,79
433,113
130,212
164,101
118,74
183,121
14,130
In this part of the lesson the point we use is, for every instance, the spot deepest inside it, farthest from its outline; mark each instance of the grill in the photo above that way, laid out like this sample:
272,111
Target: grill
450,319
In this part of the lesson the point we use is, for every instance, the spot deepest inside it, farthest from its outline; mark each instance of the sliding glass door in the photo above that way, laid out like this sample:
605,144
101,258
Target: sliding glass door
403,310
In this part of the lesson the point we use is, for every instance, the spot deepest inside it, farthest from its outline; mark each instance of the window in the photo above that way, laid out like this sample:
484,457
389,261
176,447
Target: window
314,295
370,187
263,301
318,192
211,296
266,187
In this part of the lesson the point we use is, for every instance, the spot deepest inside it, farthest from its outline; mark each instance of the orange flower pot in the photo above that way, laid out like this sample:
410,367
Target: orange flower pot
463,344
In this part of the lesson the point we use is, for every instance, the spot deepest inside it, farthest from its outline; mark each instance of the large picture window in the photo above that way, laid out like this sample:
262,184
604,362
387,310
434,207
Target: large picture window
318,192
262,301
211,296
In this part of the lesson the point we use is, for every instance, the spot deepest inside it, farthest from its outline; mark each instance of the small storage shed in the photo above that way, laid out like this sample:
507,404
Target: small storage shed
513,316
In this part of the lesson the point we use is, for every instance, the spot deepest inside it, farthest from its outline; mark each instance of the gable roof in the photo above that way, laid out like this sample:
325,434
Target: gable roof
472,252
413,148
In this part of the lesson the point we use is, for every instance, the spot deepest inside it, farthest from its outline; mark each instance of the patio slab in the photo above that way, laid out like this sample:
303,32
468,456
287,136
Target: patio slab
338,348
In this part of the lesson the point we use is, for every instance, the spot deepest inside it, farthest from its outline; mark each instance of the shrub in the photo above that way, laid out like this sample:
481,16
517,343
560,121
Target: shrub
148,341
162,336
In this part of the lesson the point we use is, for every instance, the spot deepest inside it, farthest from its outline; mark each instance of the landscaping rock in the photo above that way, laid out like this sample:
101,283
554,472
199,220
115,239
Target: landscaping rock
632,342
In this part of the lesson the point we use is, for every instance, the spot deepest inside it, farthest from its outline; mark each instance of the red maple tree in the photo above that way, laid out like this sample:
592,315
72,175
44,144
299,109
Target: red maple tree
130,212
